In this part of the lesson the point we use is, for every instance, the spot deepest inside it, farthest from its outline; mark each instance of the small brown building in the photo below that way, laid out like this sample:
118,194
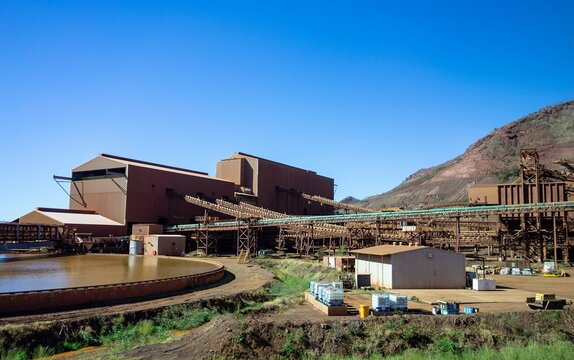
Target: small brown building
131,191
275,186
341,263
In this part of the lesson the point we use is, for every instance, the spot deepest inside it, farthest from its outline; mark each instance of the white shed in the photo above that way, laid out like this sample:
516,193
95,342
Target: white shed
411,267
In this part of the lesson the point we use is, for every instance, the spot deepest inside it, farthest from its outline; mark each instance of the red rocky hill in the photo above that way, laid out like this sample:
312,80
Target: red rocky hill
492,159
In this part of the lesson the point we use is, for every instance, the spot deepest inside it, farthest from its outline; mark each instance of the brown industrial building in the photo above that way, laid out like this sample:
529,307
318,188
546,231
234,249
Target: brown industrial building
536,184
513,194
131,191
539,232
276,186
411,267
110,194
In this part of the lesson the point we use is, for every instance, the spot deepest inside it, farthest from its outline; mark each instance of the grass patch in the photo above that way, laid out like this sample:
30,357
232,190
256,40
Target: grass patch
14,354
124,337
288,347
40,352
120,335
561,350
366,292
294,278
183,318
127,337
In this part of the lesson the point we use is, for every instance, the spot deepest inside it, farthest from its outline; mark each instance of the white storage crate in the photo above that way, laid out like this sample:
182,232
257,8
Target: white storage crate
316,285
333,296
312,287
549,267
319,288
337,285
399,302
483,284
380,302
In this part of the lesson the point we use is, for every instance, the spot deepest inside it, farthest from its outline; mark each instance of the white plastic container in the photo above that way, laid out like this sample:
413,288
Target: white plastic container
337,285
333,296
549,267
399,302
380,301
316,285
321,290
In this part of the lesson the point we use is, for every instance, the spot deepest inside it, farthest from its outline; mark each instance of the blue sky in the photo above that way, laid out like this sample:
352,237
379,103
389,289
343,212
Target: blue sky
366,93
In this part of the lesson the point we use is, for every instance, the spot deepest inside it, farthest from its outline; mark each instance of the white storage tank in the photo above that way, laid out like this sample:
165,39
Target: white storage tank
136,247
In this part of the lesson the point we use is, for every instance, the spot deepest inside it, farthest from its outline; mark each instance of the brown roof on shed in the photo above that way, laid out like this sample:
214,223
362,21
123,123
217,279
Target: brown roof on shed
387,249
151,165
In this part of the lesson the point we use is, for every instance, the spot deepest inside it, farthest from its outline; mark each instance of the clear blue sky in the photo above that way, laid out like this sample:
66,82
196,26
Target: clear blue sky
364,92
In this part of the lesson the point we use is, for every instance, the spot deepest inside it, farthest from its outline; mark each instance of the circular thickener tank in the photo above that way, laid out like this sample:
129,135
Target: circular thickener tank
68,281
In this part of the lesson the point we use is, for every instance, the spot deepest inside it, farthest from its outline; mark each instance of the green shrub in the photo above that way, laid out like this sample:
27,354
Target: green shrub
506,174
128,337
298,336
446,345
288,348
14,354
41,352
356,328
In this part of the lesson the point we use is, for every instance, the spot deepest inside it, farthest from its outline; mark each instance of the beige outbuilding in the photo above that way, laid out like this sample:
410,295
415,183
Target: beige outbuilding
411,267
169,245
76,221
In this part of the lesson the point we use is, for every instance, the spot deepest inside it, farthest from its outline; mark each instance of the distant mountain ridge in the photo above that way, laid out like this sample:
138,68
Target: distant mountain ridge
492,159
350,200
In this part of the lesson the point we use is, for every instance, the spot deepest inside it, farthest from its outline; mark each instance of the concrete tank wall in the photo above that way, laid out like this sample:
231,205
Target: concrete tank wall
37,301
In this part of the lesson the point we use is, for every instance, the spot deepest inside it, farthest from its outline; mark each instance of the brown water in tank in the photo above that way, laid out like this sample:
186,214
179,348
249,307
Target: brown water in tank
90,270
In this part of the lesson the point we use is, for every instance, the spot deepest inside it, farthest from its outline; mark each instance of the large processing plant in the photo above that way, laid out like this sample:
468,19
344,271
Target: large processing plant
256,203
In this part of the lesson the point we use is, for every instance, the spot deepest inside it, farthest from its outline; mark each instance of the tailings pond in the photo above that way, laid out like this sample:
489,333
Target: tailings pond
91,270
